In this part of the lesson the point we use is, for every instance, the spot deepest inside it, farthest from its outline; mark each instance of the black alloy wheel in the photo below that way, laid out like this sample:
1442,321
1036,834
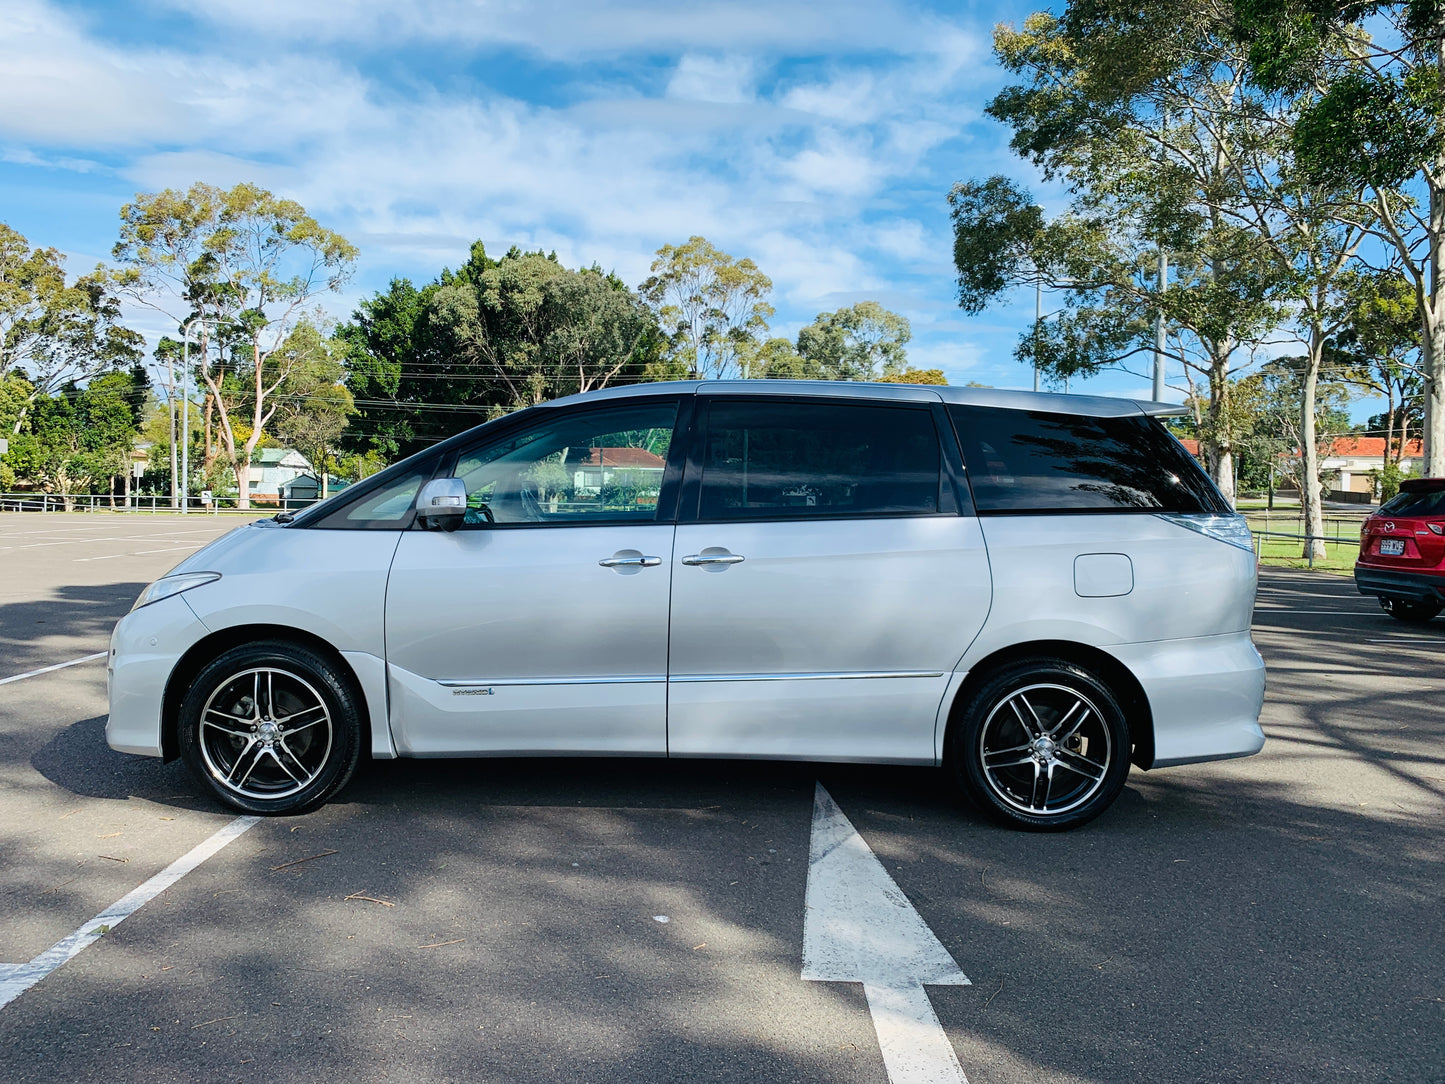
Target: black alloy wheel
1042,745
271,727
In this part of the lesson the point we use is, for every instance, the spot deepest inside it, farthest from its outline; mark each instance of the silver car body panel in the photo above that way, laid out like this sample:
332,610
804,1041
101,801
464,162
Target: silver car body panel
1182,630
143,651
833,639
516,640
330,584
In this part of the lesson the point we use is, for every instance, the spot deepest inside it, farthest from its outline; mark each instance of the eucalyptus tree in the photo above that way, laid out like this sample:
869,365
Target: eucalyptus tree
712,307
1379,346
54,331
1375,122
1143,140
864,341
246,262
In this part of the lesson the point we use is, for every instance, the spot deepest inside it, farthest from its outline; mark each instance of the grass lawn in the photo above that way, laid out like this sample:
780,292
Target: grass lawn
1285,553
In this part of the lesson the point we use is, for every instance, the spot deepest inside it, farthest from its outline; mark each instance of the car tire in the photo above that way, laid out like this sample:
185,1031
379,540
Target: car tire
1416,613
271,727
1041,745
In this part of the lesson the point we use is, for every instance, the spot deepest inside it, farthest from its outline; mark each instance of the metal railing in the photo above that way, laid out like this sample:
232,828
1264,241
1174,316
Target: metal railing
145,502
1259,536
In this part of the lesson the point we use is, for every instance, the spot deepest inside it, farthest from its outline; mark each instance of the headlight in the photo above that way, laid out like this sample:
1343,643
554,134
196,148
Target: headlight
1232,529
173,585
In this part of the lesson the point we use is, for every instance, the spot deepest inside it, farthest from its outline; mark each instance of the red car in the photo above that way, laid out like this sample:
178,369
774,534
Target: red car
1402,552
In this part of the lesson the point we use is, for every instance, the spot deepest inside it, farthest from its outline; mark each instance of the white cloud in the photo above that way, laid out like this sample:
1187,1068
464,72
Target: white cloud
53,79
413,168
726,80
562,29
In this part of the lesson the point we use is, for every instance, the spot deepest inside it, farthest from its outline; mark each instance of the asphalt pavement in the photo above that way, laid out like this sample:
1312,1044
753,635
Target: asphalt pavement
1271,919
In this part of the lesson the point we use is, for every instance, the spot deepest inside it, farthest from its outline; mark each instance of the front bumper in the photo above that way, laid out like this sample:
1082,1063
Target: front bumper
1399,583
144,649
1205,694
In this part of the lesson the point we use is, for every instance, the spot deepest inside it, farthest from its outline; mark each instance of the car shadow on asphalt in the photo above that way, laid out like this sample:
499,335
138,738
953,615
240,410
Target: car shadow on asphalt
86,614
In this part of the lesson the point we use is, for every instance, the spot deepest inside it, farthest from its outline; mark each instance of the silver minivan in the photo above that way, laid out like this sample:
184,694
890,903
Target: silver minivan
1032,591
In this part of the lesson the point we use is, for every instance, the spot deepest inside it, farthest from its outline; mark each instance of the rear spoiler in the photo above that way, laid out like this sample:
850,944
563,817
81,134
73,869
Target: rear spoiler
1422,485
1161,410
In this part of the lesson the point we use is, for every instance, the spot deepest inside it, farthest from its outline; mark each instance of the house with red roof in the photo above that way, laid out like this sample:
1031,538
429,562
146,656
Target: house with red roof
1350,458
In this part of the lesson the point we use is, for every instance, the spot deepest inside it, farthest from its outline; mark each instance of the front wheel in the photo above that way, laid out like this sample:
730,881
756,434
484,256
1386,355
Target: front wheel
271,728
1416,613
1041,745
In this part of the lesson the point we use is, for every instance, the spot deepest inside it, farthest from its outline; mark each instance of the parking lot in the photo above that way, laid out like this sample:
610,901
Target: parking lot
1271,919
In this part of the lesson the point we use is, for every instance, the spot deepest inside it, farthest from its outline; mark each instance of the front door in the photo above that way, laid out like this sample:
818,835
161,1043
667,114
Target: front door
827,587
540,625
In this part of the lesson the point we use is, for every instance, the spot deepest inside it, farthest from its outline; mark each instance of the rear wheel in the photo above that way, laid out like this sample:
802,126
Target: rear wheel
1407,610
1042,745
271,728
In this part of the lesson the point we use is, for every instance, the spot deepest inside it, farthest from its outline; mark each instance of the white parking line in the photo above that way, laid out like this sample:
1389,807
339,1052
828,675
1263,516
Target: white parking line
57,666
109,538
136,553
15,979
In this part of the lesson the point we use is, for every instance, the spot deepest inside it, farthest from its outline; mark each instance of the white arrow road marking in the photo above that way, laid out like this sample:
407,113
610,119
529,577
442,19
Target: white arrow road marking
860,927
15,979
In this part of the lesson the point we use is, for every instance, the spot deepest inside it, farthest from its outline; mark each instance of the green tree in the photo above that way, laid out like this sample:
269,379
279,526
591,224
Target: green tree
408,390
78,437
1147,163
485,339
54,332
862,342
916,376
534,330
248,262
1375,122
1380,345
712,308
313,403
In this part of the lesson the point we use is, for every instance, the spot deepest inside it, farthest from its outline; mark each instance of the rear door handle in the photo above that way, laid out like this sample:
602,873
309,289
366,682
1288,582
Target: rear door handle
630,562
713,558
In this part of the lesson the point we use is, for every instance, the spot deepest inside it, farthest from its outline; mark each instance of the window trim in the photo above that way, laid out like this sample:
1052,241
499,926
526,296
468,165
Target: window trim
666,512
690,510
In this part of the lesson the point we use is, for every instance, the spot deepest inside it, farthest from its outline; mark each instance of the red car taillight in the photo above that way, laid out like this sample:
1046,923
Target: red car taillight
1436,528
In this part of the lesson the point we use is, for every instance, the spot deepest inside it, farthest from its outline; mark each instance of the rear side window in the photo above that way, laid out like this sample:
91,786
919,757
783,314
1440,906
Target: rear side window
1030,461
800,460
1430,502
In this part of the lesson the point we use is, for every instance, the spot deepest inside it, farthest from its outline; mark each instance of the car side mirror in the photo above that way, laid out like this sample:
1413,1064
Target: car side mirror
442,504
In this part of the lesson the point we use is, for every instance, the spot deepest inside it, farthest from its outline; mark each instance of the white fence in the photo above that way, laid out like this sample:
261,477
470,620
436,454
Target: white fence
147,503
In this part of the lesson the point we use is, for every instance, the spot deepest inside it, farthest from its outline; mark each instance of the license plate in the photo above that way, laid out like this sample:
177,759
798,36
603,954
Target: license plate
1392,547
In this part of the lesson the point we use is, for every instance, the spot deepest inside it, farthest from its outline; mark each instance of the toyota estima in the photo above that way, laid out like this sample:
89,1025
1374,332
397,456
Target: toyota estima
1034,591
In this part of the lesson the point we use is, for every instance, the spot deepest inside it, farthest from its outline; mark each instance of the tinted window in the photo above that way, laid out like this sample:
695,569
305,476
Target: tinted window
797,460
1405,503
570,468
1031,461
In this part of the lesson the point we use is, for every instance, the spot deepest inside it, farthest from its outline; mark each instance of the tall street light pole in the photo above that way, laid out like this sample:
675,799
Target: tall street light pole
1160,333
1038,323
186,414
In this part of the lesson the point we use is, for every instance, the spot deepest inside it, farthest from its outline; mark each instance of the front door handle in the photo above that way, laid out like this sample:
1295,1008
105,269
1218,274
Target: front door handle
630,562
713,558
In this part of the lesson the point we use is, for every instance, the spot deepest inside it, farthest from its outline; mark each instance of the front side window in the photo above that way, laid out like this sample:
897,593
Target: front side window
593,467
1030,461
791,460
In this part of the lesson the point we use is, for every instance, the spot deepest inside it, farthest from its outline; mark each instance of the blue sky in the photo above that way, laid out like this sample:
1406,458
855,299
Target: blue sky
819,139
